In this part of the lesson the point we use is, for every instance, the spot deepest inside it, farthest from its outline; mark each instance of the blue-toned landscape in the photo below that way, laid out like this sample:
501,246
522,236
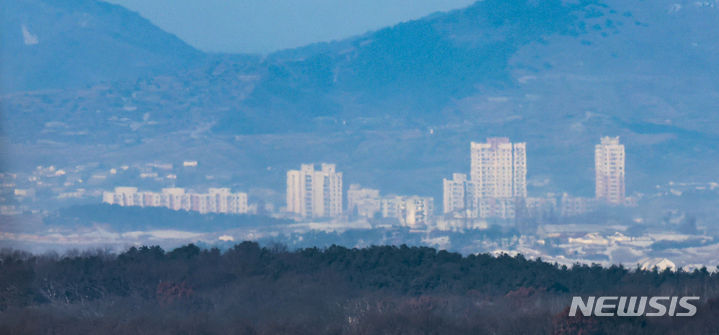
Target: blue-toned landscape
553,140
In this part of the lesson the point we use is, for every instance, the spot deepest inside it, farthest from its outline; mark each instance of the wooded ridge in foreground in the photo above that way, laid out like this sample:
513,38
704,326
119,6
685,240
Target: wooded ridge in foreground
250,289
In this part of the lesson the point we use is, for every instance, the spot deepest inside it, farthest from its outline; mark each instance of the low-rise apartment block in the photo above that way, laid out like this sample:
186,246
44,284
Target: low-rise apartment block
216,200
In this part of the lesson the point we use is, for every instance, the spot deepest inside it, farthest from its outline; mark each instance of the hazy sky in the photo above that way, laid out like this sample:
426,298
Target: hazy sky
261,26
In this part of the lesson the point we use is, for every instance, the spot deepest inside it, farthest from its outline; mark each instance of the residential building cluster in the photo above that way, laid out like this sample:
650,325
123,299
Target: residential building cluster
318,194
497,183
412,211
497,187
46,186
216,200
493,191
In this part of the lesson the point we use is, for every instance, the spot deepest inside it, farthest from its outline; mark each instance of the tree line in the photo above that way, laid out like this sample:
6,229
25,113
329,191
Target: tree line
251,289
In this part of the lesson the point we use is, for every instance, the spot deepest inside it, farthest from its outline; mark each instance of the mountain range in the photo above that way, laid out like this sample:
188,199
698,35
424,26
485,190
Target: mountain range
395,108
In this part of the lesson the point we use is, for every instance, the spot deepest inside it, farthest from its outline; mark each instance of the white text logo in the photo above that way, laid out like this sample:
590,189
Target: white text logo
633,306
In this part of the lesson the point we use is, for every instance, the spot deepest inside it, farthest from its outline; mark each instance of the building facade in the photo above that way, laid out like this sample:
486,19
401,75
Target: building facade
499,168
457,194
498,177
314,193
609,168
216,200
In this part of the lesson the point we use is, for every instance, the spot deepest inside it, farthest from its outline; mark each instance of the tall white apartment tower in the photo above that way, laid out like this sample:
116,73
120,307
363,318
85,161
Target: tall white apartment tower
609,168
312,193
498,175
499,168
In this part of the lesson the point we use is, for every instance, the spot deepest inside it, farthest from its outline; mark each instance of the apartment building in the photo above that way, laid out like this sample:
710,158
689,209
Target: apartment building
609,167
314,193
216,200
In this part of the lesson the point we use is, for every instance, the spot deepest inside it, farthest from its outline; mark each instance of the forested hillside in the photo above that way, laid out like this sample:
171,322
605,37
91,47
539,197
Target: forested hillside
250,289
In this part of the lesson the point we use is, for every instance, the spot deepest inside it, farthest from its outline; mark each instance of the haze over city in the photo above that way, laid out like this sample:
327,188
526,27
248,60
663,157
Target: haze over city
390,114
358,167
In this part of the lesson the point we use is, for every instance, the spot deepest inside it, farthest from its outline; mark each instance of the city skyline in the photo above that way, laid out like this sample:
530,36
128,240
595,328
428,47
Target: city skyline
498,189
201,165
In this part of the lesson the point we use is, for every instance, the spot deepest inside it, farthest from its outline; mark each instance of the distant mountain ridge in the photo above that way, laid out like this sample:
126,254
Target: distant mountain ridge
74,43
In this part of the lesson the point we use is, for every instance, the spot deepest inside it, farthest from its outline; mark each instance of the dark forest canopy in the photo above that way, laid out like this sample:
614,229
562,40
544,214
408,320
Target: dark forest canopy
387,289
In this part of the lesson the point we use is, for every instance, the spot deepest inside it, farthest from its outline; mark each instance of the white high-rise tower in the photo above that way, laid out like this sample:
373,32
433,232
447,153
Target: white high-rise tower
499,168
498,175
312,193
609,168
